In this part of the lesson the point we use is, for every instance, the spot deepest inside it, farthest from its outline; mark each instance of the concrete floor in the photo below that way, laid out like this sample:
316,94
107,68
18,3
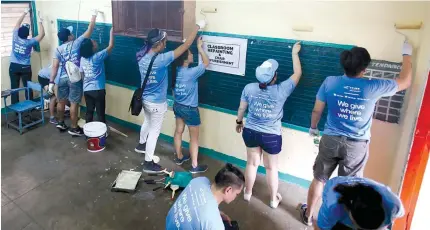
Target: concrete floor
50,181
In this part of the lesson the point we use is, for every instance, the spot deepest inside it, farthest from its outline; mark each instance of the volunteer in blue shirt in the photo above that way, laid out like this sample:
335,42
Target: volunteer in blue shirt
197,206
93,73
43,78
185,86
262,133
155,94
20,66
69,51
350,101
357,203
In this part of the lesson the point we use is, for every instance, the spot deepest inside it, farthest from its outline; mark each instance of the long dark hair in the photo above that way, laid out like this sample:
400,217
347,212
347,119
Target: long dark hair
364,203
178,63
354,61
86,49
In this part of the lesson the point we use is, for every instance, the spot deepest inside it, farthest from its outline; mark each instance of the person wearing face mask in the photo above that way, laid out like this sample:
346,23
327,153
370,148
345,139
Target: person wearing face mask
155,93
197,206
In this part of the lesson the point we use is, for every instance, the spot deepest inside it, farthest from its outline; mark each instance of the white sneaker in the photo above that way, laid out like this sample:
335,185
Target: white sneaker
275,203
246,196
156,159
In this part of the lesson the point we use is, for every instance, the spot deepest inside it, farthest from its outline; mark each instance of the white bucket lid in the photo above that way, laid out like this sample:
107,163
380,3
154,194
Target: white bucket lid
95,129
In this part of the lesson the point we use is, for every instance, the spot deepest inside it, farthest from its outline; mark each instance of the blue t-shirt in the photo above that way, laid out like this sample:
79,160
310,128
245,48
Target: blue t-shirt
156,86
68,51
351,102
94,71
196,208
332,212
21,49
46,73
265,107
186,86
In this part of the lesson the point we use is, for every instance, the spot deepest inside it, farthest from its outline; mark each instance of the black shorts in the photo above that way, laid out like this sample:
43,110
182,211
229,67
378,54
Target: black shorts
43,81
270,143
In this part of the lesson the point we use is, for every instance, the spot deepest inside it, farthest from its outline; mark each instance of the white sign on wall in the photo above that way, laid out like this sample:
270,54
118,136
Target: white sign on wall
226,55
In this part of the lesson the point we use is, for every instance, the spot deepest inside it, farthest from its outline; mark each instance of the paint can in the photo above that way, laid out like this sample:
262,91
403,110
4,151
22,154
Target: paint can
96,136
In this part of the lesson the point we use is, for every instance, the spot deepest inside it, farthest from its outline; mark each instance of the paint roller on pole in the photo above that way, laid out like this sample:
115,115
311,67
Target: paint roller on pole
407,26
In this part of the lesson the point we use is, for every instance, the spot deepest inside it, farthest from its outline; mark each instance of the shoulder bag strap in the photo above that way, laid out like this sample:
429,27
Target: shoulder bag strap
148,72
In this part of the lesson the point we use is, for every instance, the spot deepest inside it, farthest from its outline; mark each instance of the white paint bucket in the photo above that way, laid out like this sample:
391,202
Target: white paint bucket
96,136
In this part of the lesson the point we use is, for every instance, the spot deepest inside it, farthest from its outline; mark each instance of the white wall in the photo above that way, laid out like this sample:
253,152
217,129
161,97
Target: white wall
368,24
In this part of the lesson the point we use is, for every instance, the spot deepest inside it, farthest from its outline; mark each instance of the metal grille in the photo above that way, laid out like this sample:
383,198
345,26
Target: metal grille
387,108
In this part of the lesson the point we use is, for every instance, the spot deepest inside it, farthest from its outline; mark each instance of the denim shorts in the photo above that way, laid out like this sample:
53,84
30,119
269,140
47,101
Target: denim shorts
190,115
70,91
270,143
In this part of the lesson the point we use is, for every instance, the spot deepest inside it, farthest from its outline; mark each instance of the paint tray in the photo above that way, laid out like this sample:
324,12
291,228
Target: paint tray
126,181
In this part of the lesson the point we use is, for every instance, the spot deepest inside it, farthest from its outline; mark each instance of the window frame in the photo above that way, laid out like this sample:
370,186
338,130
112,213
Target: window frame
188,20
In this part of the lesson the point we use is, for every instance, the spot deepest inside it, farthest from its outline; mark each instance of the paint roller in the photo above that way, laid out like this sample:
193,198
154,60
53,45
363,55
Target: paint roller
407,26
301,28
204,11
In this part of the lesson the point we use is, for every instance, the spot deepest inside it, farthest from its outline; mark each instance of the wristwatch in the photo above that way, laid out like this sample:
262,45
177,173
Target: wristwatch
239,122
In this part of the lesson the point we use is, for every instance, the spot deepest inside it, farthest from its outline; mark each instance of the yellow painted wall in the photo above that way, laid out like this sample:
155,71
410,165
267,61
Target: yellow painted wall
366,24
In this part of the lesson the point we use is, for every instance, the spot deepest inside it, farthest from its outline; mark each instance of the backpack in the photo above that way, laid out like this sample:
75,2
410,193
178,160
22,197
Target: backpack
136,103
72,70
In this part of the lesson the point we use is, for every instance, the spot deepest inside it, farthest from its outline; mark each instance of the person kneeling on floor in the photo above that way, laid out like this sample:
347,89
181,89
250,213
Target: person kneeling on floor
197,206
357,203
43,78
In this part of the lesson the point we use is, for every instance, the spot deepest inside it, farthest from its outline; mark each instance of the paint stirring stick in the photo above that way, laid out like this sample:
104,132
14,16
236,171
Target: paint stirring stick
174,187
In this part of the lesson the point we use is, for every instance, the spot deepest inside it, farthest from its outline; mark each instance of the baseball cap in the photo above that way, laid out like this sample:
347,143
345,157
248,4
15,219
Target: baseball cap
64,33
266,71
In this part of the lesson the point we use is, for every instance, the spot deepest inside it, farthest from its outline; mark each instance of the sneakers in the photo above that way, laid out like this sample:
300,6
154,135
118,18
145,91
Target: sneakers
181,161
140,148
199,169
61,126
305,220
275,203
246,196
53,120
76,131
151,167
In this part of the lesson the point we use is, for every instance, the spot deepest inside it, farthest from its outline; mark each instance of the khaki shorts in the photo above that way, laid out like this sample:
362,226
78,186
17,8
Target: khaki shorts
350,154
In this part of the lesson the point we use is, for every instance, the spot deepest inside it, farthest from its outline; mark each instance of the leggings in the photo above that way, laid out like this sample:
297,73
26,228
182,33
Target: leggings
95,99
